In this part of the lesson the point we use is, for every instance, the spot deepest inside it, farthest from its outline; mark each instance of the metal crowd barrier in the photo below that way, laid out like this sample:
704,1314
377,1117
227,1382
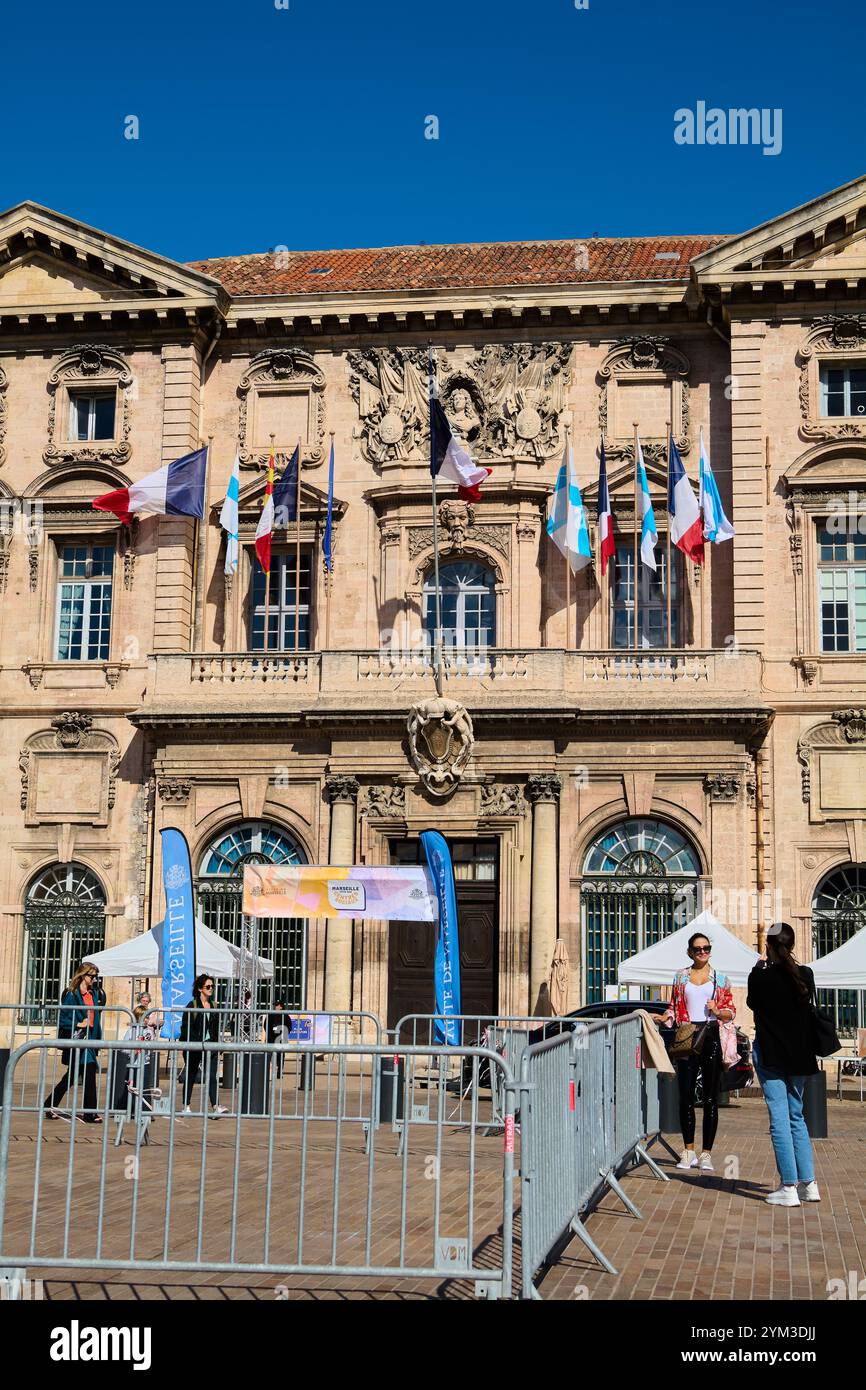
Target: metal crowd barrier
586,1107
260,1194
422,1086
24,1023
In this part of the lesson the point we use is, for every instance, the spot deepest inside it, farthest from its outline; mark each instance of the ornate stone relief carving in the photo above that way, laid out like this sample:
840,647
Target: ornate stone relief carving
389,386
852,723
387,802
544,786
48,752
3,384
653,359
339,787
267,371
831,337
722,786
175,790
441,740
90,366
505,799
846,727
458,528
808,669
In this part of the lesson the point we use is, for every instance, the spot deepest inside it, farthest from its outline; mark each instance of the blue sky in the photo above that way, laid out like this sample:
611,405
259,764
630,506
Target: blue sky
305,126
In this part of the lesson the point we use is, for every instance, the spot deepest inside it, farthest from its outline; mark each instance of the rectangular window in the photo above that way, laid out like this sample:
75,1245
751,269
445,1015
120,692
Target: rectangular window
843,391
84,603
842,590
91,417
281,607
652,604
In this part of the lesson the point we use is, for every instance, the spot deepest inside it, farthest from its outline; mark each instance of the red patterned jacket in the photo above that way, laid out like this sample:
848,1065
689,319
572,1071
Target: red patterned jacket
722,997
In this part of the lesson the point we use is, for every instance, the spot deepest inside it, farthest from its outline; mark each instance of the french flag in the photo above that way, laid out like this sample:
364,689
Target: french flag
687,530
449,460
175,490
606,543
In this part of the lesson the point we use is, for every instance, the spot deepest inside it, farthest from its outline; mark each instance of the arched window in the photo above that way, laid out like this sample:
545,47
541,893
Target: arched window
468,605
220,879
641,881
64,922
838,912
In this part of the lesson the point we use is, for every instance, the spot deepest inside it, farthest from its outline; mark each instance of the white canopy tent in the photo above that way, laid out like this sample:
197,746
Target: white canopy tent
142,956
658,964
844,968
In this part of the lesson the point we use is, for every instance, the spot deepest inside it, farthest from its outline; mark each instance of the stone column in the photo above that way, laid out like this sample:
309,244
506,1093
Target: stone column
342,793
543,792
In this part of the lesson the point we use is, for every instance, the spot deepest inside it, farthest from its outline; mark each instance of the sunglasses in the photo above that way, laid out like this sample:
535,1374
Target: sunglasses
702,950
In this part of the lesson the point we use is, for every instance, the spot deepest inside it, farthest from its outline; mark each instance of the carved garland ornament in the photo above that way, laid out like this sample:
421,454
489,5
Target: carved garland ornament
831,338
722,786
458,528
848,726
274,367
3,384
72,731
96,366
654,359
441,740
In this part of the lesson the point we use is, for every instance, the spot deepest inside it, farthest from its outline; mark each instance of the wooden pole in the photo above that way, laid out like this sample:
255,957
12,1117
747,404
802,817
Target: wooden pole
298,553
330,568
635,582
670,641
267,642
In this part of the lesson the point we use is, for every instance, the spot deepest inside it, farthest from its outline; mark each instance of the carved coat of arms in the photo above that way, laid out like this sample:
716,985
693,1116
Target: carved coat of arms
441,740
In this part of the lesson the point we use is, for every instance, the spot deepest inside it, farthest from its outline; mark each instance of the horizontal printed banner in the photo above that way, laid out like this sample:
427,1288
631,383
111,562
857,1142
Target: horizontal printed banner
403,894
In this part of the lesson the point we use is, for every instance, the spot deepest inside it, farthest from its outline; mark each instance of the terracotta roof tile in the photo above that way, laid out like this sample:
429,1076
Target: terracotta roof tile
459,267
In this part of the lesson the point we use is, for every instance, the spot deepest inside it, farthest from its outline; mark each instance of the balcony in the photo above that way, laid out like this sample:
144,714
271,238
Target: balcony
314,686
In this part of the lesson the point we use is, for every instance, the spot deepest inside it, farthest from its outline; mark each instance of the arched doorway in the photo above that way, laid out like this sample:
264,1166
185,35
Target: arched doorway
838,912
64,922
220,880
635,877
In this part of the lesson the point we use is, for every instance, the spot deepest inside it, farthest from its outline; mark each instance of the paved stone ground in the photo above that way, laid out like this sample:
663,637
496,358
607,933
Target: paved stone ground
701,1237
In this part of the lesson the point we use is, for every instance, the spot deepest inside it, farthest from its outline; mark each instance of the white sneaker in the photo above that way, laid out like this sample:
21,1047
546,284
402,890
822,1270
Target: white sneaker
689,1159
783,1197
187,1110
705,1163
808,1191
219,1110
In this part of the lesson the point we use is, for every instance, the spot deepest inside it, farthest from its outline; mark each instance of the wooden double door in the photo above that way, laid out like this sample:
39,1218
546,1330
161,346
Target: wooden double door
412,945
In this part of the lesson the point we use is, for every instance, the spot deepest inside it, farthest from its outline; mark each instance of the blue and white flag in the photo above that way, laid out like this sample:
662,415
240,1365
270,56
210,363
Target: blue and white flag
717,528
566,525
229,518
328,537
446,969
178,930
648,532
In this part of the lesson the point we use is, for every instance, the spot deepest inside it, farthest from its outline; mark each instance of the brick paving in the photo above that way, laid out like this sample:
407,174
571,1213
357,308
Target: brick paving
702,1237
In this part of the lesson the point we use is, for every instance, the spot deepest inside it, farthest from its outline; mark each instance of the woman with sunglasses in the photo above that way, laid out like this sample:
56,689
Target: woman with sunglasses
700,995
200,1024
80,1018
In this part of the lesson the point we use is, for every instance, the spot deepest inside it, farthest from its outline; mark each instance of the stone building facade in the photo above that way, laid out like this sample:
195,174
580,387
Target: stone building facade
591,791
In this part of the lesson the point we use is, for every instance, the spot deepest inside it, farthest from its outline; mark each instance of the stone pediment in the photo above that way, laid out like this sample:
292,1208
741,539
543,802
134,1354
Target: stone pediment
49,261
251,497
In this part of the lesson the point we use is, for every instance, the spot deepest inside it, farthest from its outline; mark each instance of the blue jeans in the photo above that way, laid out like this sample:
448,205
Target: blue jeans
791,1143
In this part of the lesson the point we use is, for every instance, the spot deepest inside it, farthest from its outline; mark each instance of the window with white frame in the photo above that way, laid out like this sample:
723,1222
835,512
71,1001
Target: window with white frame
842,589
282,608
652,601
468,606
843,390
91,416
84,603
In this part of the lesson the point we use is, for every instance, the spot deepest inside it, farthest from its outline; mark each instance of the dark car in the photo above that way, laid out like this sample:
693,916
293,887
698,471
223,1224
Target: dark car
738,1076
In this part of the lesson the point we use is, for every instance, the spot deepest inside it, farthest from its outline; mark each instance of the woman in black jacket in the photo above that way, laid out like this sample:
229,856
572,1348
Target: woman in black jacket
200,1024
780,997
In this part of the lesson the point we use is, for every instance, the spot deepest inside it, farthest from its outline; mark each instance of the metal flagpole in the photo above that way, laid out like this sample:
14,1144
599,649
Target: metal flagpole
670,642
636,603
268,570
567,557
298,553
437,639
330,567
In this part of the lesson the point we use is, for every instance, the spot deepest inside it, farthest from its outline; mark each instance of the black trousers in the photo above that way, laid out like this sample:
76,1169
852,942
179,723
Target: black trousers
709,1067
192,1067
86,1072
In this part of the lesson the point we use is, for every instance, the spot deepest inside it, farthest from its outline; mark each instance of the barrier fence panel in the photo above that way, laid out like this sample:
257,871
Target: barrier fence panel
585,1098
24,1023
265,1194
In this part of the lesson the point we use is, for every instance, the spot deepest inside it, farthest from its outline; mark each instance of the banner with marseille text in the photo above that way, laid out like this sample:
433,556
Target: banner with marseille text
178,930
446,968
403,893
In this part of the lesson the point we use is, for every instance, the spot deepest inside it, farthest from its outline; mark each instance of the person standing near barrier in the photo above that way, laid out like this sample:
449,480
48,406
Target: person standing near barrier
701,999
200,1024
80,1019
780,995
277,1027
